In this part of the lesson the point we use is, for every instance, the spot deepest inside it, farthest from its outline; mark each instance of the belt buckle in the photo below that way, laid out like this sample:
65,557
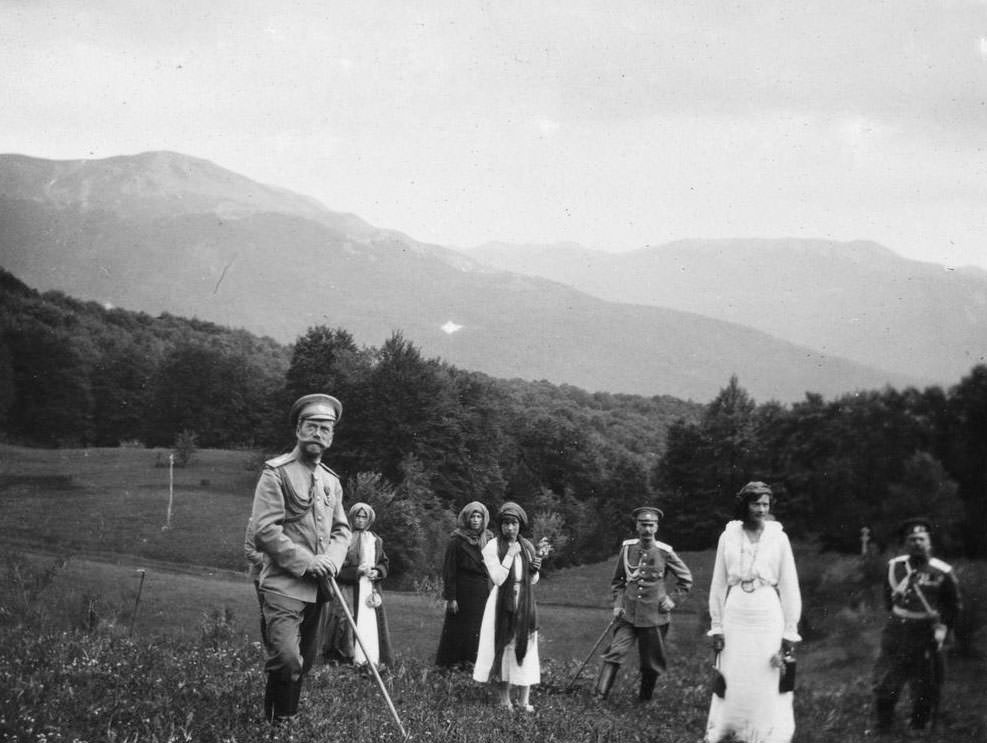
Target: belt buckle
747,586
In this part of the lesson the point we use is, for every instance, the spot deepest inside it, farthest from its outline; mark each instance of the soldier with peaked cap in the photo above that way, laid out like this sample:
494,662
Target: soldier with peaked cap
301,527
641,603
923,598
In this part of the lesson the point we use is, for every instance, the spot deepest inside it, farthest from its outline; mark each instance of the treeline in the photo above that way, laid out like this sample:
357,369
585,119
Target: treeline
421,438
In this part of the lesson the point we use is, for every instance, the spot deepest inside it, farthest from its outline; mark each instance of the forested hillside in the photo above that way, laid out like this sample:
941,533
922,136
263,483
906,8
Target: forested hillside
421,437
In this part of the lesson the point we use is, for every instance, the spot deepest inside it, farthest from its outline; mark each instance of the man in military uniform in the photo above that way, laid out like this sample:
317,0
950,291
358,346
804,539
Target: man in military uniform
641,604
922,595
300,526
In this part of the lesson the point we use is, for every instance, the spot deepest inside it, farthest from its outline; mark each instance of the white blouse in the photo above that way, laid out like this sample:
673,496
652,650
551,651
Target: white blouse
768,563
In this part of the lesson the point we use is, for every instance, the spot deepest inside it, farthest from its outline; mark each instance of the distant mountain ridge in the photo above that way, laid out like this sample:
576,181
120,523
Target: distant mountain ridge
856,300
165,232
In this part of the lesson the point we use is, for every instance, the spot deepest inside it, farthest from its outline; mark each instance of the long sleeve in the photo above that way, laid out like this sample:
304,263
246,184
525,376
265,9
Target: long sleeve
618,584
495,569
254,556
269,518
449,570
683,576
718,589
788,591
383,562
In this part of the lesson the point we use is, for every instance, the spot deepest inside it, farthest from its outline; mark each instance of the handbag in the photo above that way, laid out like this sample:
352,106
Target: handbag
786,682
719,682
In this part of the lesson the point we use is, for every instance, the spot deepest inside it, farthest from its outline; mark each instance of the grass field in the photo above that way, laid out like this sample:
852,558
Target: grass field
192,642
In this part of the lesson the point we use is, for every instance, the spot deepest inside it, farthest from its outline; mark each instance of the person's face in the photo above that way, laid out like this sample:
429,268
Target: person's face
475,521
510,527
918,544
361,519
647,527
315,436
758,510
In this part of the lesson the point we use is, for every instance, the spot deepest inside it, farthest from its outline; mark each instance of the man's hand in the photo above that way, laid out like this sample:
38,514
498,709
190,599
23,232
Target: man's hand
452,607
618,612
323,567
718,643
939,632
536,563
666,604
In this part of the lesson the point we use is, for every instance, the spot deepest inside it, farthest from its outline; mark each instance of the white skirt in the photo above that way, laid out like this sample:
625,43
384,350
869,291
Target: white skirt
527,673
752,708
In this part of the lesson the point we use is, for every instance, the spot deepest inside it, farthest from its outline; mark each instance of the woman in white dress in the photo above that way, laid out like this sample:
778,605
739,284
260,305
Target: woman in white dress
359,582
508,652
755,606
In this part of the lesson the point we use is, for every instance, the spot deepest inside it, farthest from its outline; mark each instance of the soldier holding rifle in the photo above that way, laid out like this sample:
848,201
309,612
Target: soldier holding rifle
301,527
923,597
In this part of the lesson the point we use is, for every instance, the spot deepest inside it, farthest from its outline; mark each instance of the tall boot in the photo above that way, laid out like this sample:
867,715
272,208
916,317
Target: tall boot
295,696
608,673
648,680
280,697
884,709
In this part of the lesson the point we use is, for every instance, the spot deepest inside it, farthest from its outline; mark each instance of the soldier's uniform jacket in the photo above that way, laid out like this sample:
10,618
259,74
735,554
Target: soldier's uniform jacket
936,582
297,514
638,583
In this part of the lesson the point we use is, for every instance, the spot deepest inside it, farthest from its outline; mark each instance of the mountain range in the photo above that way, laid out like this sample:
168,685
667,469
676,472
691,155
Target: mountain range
165,232
857,300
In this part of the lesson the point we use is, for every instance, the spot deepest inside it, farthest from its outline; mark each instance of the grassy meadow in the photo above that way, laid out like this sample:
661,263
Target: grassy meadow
81,660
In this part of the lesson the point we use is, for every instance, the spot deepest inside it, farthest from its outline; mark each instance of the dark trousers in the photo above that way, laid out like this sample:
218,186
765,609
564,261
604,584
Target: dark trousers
650,646
292,642
908,655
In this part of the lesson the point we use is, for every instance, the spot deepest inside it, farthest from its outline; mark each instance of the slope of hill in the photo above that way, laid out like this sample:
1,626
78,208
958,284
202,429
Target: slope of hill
164,232
856,300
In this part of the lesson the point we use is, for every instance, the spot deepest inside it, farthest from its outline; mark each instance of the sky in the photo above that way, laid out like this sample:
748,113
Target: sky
612,124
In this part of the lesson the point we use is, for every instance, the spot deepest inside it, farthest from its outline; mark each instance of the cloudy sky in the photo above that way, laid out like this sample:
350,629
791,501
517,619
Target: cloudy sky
612,124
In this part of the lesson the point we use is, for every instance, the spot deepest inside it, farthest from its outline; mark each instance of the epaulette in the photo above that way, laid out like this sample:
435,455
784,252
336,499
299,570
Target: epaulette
324,466
629,542
899,558
280,460
940,565
663,546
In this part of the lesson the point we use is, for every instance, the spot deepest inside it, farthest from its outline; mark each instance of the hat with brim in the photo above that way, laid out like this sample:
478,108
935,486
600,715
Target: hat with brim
317,407
914,525
647,510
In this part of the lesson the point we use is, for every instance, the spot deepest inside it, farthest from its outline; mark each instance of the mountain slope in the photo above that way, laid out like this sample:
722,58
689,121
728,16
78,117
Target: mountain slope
856,300
162,232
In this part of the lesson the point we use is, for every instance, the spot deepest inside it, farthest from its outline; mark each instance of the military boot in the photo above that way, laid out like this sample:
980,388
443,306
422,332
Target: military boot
608,673
648,680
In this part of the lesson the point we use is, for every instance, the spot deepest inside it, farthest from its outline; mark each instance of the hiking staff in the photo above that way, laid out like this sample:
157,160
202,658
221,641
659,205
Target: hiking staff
592,651
349,617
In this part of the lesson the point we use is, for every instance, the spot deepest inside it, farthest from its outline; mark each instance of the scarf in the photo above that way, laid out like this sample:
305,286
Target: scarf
514,622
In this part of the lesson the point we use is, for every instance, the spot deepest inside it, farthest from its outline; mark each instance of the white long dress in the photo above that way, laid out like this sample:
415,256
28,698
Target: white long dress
753,623
366,617
529,671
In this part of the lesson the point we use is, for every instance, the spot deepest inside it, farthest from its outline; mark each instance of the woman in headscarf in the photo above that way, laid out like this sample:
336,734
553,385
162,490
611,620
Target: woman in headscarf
465,586
359,581
508,652
755,606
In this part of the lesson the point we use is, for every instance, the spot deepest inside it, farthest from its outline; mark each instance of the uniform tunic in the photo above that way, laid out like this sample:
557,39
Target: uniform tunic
638,587
908,648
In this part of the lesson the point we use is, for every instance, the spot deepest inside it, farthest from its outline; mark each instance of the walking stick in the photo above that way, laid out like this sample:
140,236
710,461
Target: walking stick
373,668
591,653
